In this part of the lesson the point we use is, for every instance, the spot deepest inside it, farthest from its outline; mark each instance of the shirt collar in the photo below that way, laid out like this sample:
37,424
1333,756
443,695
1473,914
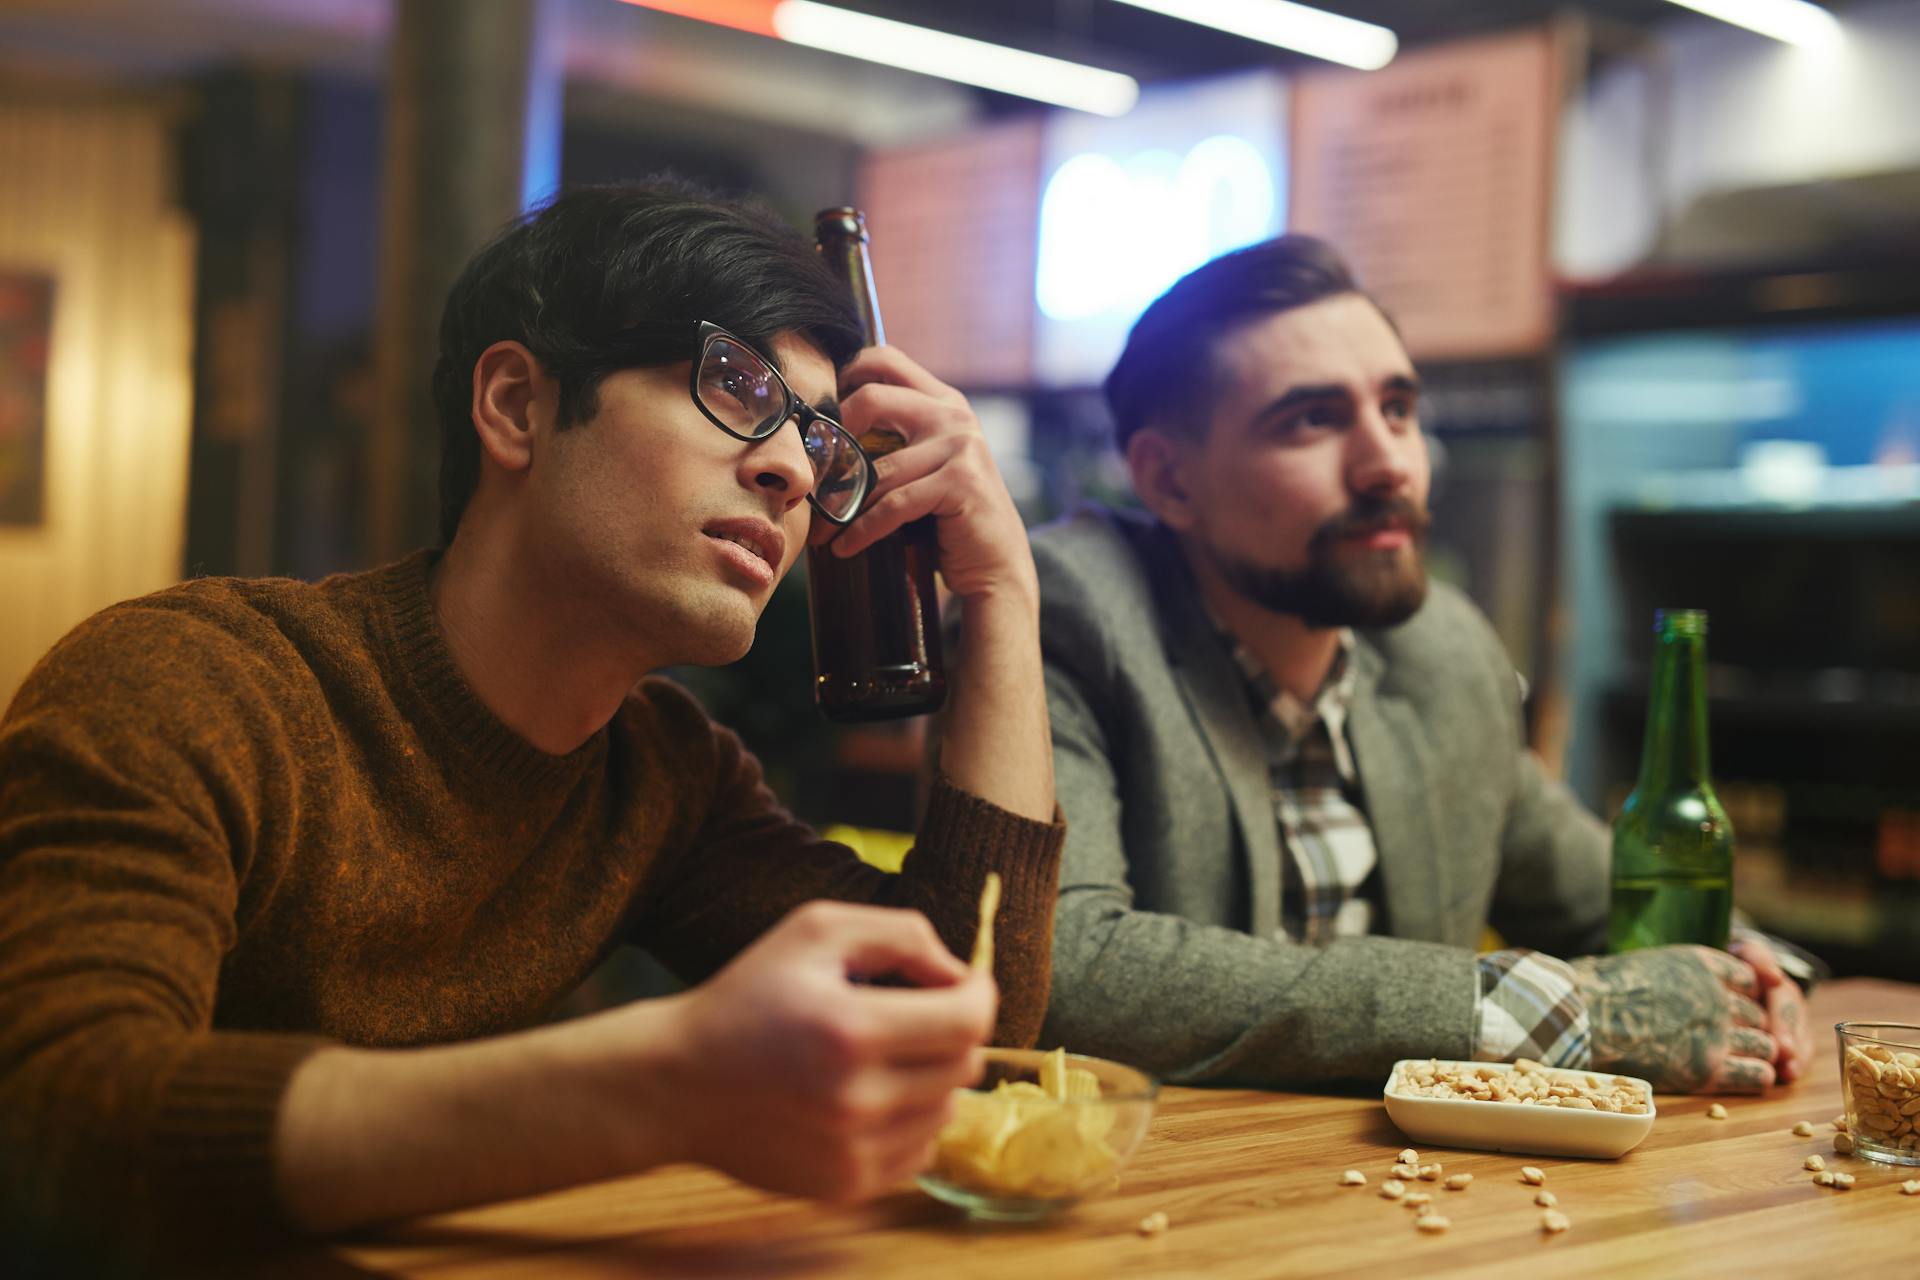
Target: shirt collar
1291,715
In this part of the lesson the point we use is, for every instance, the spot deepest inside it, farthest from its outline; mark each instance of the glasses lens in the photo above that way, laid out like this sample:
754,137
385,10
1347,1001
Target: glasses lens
839,468
739,389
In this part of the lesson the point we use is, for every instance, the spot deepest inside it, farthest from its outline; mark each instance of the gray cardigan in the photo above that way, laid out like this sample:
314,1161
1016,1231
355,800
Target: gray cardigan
1166,945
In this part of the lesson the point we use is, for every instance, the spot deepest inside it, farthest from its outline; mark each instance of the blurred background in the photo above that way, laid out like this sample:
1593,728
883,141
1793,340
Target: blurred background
1661,273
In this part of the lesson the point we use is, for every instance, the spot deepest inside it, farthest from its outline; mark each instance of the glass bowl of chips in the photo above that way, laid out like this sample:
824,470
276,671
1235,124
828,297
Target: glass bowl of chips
1040,1131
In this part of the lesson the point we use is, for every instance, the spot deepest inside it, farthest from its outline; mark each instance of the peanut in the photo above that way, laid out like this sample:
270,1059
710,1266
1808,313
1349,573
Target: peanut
1409,1156
1823,1179
1407,1169
1803,1130
1552,1221
1432,1222
1843,1143
1531,1176
1814,1163
1430,1172
1353,1178
1459,1182
1392,1189
1416,1200
1716,1112
1882,1089
1844,1181
1529,1083
1153,1224
1911,1187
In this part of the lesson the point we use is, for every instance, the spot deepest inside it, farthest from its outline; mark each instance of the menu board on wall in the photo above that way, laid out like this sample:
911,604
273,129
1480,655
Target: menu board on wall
1433,176
952,224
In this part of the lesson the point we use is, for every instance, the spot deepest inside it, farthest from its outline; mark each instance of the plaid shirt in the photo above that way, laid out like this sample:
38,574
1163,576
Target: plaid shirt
1528,1007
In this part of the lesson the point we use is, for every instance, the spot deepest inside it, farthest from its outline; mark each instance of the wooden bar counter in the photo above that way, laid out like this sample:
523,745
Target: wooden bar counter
1249,1182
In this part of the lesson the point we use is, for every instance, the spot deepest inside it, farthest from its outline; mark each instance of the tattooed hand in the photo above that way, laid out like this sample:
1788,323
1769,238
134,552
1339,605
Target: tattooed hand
1786,1005
1685,1018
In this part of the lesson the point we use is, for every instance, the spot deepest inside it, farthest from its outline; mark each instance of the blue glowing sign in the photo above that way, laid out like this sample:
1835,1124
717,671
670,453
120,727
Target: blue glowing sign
1115,232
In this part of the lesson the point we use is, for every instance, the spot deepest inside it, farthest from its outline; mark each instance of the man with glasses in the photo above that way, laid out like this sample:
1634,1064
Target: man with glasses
290,873
1294,772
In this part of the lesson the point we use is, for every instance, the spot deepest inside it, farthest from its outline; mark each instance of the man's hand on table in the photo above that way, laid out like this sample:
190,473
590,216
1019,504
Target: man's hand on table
1686,1018
1786,1005
787,1075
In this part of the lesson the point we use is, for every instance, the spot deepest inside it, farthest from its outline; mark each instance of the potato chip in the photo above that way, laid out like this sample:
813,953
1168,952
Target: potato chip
1053,1074
1030,1140
1082,1083
1096,1122
969,1146
1043,1157
1018,1089
989,907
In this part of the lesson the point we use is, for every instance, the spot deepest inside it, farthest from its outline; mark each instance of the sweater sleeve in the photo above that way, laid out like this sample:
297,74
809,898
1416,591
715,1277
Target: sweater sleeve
133,765
744,862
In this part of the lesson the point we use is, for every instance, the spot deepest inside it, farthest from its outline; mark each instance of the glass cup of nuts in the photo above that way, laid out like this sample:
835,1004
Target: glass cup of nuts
1880,1085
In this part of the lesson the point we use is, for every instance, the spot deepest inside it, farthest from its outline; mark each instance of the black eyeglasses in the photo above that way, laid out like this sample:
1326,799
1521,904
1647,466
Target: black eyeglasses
744,395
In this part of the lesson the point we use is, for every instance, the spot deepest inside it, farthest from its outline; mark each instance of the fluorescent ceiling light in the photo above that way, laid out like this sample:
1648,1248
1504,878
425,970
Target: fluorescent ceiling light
1348,41
975,62
911,48
1794,21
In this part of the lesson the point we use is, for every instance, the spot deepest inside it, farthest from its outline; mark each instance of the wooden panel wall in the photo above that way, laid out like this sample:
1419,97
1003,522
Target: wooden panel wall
87,197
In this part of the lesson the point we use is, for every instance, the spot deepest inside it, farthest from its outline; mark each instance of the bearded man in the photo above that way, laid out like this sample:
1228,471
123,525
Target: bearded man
1294,771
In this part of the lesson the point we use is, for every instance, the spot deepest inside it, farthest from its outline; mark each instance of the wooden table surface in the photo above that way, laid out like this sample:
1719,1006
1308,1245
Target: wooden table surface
1249,1182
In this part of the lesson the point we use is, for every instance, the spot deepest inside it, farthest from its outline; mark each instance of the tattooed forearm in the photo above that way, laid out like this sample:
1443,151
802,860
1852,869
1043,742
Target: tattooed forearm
1661,1014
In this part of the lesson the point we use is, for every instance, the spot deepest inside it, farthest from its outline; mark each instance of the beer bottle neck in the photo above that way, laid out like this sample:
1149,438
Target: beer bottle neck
1674,757
858,270
841,235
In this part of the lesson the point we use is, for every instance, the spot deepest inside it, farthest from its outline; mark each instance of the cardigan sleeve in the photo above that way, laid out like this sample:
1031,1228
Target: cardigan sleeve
744,862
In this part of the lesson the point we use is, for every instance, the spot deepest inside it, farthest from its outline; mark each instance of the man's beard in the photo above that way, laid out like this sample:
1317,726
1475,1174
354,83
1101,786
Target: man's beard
1370,589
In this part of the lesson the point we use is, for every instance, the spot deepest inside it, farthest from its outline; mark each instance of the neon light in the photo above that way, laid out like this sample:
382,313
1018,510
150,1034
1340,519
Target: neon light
975,62
1286,25
911,48
1083,233
742,15
1789,21
1115,233
1226,194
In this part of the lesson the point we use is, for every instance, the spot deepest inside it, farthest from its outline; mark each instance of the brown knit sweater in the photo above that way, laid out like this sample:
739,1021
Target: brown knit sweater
240,819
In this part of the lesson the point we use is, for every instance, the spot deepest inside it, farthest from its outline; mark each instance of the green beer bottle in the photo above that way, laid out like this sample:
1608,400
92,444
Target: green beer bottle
1672,843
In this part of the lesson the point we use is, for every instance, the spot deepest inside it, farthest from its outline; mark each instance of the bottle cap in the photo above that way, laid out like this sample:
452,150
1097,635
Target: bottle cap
843,220
1680,622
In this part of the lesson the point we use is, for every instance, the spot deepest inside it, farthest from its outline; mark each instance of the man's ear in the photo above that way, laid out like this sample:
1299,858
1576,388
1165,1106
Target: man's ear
508,387
1158,463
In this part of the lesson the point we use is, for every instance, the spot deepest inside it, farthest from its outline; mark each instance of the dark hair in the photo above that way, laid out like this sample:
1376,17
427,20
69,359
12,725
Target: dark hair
1166,372
614,277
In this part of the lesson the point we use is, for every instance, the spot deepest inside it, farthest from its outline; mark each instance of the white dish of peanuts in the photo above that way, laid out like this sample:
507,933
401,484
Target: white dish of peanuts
1522,1107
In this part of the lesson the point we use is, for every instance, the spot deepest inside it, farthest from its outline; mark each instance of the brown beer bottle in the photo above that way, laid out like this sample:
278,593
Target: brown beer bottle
876,619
